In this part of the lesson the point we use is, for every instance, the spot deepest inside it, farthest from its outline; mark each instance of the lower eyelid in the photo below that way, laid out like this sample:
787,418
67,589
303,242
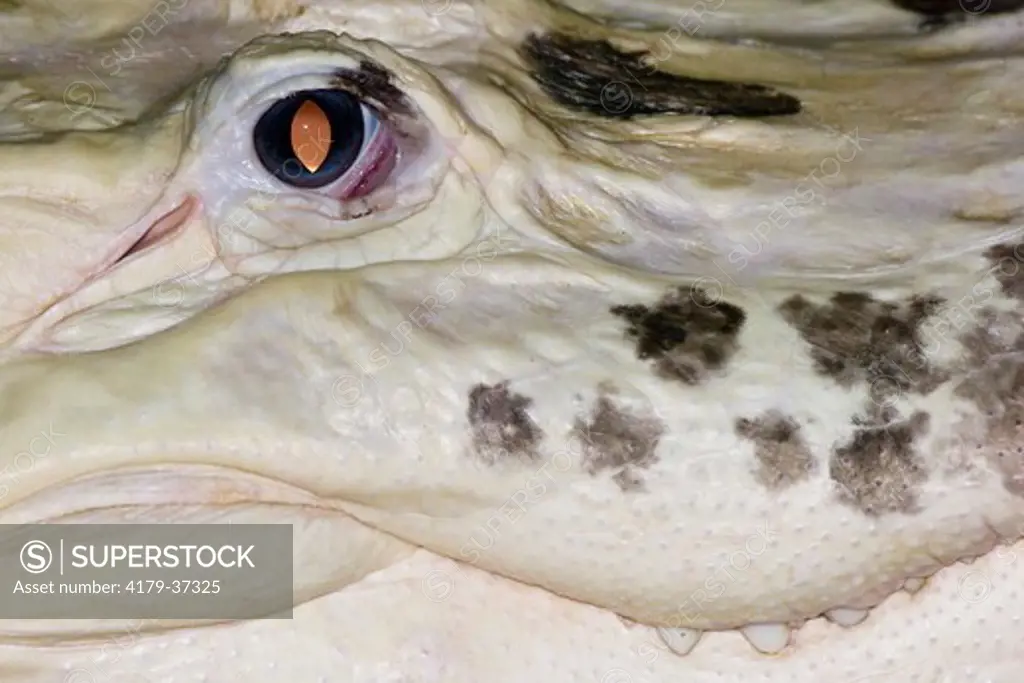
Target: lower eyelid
375,171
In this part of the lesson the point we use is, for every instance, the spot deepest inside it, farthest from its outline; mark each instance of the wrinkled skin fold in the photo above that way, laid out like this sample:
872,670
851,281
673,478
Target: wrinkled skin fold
649,327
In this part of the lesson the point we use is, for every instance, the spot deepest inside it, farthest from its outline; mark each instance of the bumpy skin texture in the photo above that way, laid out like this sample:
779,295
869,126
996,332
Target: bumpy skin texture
426,620
697,372
513,485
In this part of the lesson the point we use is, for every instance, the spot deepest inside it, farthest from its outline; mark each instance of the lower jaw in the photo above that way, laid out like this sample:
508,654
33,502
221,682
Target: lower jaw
964,626
329,549
204,494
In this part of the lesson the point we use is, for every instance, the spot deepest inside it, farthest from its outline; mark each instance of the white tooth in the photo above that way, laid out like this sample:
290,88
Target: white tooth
767,638
680,640
846,616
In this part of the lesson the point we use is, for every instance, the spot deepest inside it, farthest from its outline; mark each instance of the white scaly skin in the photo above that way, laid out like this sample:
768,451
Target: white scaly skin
424,620
728,18
352,427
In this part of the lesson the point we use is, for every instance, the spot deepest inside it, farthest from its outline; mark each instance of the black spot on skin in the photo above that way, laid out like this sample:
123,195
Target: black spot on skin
500,424
688,334
994,382
1008,268
783,458
878,470
855,338
595,77
940,8
374,84
615,439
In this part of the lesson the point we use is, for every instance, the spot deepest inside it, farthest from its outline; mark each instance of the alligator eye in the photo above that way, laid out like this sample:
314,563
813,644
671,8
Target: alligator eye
313,137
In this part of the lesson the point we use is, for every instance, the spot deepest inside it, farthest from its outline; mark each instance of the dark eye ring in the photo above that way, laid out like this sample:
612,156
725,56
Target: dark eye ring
311,138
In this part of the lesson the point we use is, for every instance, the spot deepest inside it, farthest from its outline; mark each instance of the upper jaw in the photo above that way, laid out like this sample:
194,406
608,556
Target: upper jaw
729,224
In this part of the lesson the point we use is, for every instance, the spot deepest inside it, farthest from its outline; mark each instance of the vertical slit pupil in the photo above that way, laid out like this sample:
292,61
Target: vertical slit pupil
311,135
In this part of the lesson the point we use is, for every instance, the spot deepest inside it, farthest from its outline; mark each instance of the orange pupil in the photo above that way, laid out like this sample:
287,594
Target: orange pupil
311,135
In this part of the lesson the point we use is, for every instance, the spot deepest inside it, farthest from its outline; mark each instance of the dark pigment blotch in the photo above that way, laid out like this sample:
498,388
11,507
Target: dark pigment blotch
1007,262
855,338
373,83
994,382
614,439
783,457
939,8
595,77
500,424
878,470
687,334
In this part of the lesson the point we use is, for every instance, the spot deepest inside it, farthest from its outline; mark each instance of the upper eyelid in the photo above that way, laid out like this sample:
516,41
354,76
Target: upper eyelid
374,84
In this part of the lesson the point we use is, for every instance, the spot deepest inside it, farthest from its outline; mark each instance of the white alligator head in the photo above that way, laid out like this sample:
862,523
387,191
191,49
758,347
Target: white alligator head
724,336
